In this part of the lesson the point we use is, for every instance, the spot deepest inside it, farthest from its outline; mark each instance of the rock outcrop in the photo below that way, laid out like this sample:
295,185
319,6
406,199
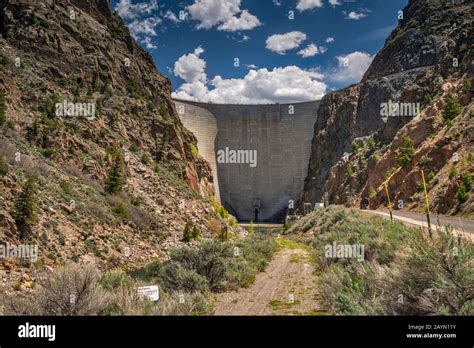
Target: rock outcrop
428,55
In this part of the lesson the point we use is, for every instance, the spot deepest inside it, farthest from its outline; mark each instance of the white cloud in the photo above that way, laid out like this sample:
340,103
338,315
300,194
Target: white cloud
335,2
171,16
280,85
304,5
329,39
127,10
280,43
246,21
356,15
278,2
311,51
191,68
144,27
351,67
148,43
224,13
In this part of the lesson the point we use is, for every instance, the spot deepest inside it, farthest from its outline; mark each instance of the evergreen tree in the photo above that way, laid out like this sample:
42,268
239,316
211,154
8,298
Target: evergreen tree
451,107
2,108
3,166
187,233
116,177
24,211
195,232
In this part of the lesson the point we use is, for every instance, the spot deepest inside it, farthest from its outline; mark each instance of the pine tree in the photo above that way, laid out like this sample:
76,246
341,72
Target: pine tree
196,232
116,177
187,233
24,211
451,107
2,108
3,166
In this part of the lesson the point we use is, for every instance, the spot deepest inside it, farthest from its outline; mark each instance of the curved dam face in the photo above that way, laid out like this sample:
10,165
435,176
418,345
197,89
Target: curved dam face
259,154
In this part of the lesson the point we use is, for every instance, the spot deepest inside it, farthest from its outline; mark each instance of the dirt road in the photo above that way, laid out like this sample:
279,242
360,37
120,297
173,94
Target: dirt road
286,287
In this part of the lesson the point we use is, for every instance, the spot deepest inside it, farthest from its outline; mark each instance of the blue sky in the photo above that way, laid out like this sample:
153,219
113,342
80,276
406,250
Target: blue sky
254,51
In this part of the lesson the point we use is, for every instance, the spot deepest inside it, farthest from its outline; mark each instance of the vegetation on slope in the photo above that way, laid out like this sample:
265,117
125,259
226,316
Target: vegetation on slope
403,271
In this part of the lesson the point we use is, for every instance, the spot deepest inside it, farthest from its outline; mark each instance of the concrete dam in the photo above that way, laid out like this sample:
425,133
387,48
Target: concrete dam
259,154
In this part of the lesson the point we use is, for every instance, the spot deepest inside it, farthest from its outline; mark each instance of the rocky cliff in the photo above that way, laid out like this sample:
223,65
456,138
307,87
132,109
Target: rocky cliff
425,61
79,52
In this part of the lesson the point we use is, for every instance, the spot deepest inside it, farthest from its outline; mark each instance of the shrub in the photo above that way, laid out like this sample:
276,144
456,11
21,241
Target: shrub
467,181
116,176
24,211
452,108
406,152
194,151
424,160
453,172
120,210
66,186
71,290
214,226
467,86
3,166
174,277
462,195
372,193
145,159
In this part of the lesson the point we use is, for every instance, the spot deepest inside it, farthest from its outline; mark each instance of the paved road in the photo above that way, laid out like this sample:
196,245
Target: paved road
459,224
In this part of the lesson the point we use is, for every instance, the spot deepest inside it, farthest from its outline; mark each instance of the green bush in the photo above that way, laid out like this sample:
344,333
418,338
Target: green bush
120,210
453,172
424,160
406,152
452,108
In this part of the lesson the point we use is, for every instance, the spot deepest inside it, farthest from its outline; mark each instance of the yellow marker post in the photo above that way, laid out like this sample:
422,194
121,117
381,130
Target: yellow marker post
388,198
427,203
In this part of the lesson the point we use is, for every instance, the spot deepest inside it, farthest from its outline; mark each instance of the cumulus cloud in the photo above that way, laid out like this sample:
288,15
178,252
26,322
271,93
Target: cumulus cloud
329,39
191,68
280,43
144,27
311,51
226,14
304,5
351,67
356,15
127,10
262,86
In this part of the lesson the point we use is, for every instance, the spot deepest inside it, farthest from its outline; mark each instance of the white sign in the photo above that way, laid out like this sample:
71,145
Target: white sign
151,292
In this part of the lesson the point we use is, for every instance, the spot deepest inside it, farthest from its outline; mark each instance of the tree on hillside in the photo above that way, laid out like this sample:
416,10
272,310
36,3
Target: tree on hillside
24,210
116,177
2,108
406,152
452,108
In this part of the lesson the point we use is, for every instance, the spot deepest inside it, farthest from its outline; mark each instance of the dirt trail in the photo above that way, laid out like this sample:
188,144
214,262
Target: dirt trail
286,287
